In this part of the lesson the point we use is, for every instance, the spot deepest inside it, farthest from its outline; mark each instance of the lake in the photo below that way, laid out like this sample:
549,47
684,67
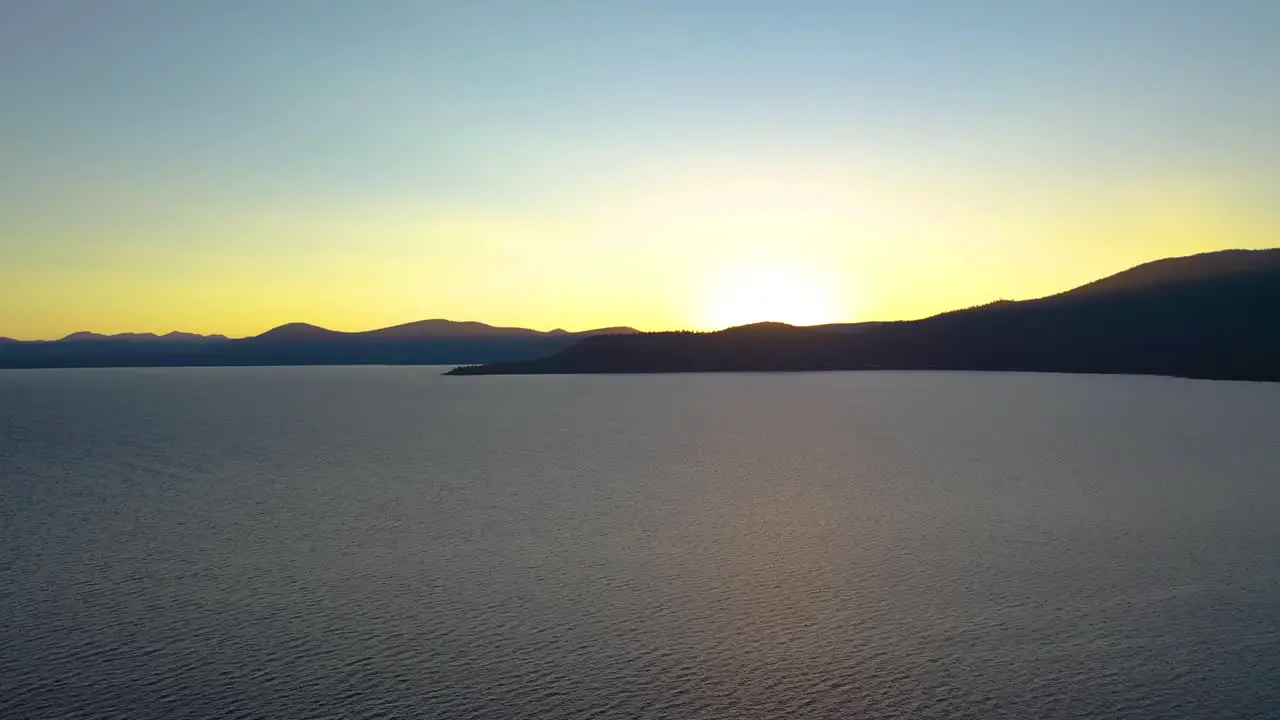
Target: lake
382,542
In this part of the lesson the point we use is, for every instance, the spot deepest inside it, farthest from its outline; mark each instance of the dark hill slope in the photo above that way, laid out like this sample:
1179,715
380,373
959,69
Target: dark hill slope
1188,319
1207,266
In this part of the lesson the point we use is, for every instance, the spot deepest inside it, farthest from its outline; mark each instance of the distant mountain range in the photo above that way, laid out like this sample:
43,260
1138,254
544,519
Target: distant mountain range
427,329
174,336
427,342
1215,315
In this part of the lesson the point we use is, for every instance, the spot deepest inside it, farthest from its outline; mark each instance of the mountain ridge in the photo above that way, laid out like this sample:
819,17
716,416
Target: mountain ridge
1220,264
435,327
435,341
1214,315
1201,316
172,336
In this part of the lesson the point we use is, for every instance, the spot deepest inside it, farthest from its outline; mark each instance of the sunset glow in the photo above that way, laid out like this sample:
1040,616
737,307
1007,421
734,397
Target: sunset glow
664,165
778,293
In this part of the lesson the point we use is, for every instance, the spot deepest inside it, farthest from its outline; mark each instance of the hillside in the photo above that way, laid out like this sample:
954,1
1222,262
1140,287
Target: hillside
1206,316
1168,271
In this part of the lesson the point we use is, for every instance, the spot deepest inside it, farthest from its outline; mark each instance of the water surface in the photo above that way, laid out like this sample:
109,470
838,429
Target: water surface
386,542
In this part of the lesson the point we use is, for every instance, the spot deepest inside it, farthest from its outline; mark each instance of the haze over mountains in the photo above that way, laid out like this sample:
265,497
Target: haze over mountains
1215,315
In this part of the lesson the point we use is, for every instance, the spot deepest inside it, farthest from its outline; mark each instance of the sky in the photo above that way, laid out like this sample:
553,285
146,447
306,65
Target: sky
231,165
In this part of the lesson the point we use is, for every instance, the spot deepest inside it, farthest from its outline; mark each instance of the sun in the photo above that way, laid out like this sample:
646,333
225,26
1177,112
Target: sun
771,293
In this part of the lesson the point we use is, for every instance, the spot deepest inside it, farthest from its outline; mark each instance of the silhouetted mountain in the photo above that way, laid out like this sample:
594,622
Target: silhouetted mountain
85,336
617,330
427,342
1208,316
299,331
454,329
447,328
846,328
434,329
1208,266
176,336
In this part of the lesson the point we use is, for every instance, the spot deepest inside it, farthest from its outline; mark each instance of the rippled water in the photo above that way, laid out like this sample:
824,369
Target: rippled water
386,543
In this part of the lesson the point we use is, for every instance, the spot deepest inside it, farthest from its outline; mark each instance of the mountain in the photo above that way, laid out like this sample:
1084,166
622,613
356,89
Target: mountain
1169,271
847,328
425,329
85,336
299,331
1215,315
176,336
618,330
426,342
447,328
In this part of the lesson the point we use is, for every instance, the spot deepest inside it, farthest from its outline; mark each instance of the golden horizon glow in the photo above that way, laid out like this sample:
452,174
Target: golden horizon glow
783,292
701,246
